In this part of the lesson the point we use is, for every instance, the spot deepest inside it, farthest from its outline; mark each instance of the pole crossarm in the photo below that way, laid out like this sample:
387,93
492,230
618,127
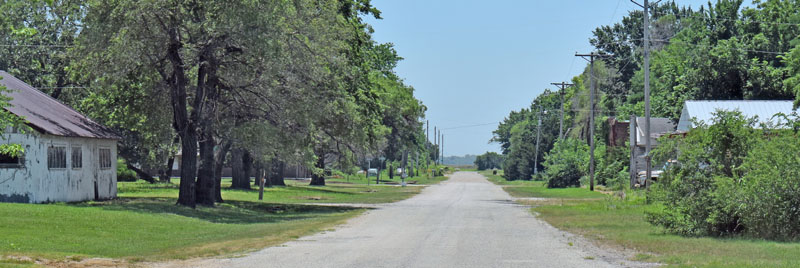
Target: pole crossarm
563,86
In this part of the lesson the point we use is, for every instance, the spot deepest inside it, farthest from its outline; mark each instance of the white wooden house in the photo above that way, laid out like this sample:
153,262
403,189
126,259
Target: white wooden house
68,157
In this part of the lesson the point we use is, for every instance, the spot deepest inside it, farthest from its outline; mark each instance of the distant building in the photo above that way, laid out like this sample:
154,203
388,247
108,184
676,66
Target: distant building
703,111
659,126
68,157
617,132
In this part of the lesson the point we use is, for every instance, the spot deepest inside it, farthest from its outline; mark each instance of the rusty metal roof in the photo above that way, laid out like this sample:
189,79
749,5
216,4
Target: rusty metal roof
48,115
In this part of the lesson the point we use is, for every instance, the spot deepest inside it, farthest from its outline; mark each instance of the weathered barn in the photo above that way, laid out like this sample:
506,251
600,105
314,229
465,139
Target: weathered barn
68,157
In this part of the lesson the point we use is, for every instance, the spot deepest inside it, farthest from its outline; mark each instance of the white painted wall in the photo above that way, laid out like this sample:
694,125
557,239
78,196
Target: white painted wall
35,183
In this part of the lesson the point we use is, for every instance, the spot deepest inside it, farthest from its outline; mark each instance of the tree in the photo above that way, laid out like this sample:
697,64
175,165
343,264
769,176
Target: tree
36,37
206,53
489,160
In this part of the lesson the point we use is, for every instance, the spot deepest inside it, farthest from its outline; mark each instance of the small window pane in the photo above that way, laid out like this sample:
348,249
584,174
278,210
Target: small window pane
77,157
57,157
105,158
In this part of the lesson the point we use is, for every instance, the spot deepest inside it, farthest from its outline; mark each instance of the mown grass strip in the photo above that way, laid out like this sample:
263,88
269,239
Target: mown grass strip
621,224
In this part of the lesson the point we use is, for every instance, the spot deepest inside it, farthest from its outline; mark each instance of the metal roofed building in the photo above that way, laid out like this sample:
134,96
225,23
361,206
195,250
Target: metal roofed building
703,111
68,157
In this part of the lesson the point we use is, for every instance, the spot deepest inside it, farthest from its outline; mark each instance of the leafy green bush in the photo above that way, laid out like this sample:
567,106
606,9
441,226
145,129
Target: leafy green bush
123,173
566,163
731,178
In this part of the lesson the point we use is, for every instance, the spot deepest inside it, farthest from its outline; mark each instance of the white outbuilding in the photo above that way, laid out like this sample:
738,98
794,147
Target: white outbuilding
703,111
68,157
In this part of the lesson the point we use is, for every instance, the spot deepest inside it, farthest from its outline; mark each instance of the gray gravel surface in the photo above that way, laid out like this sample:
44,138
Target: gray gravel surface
465,221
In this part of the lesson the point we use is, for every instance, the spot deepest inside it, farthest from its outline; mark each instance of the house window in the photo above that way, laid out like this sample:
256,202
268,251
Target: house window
10,160
105,158
77,157
57,157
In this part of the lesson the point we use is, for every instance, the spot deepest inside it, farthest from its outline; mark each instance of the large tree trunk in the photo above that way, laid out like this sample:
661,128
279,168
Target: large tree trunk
318,179
205,109
240,180
247,161
268,175
186,193
391,171
220,162
205,173
184,126
141,173
277,168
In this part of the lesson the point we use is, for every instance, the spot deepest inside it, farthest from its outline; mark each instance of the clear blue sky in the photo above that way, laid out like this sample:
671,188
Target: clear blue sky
472,62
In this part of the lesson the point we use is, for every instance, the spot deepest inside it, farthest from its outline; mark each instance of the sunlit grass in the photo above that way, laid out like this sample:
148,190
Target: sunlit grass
145,224
621,224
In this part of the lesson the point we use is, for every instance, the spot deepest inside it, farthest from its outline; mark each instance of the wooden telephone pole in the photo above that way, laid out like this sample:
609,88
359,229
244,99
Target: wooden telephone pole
591,57
563,86
646,67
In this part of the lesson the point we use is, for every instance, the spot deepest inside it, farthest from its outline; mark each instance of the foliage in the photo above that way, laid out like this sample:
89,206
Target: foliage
489,160
566,163
36,36
733,177
123,173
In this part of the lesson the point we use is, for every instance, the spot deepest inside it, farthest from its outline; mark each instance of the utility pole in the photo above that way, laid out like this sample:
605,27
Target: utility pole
538,134
441,146
427,143
646,66
591,57
563,86
436,144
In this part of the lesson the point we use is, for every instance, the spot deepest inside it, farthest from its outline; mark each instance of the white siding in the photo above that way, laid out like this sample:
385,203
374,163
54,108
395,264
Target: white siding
35,183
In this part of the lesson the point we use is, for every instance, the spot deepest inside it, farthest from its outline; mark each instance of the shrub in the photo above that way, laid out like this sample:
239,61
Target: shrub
123,173
566,163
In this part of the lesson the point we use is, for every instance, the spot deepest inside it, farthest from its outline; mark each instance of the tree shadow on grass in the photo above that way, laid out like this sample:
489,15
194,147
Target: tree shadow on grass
323,190
230,212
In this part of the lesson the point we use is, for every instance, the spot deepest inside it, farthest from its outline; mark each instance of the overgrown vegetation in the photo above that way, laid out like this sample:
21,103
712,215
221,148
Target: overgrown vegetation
566,163
733,177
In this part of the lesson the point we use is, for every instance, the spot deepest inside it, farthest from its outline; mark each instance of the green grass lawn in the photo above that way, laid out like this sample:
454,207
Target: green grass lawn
144,224
621,224
520,188
361,180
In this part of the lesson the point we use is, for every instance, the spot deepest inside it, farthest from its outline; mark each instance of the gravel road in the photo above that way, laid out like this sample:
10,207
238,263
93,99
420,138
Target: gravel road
465,221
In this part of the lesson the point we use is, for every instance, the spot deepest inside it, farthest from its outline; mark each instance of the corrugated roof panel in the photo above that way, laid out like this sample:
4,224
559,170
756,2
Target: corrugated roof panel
49,115
765,110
